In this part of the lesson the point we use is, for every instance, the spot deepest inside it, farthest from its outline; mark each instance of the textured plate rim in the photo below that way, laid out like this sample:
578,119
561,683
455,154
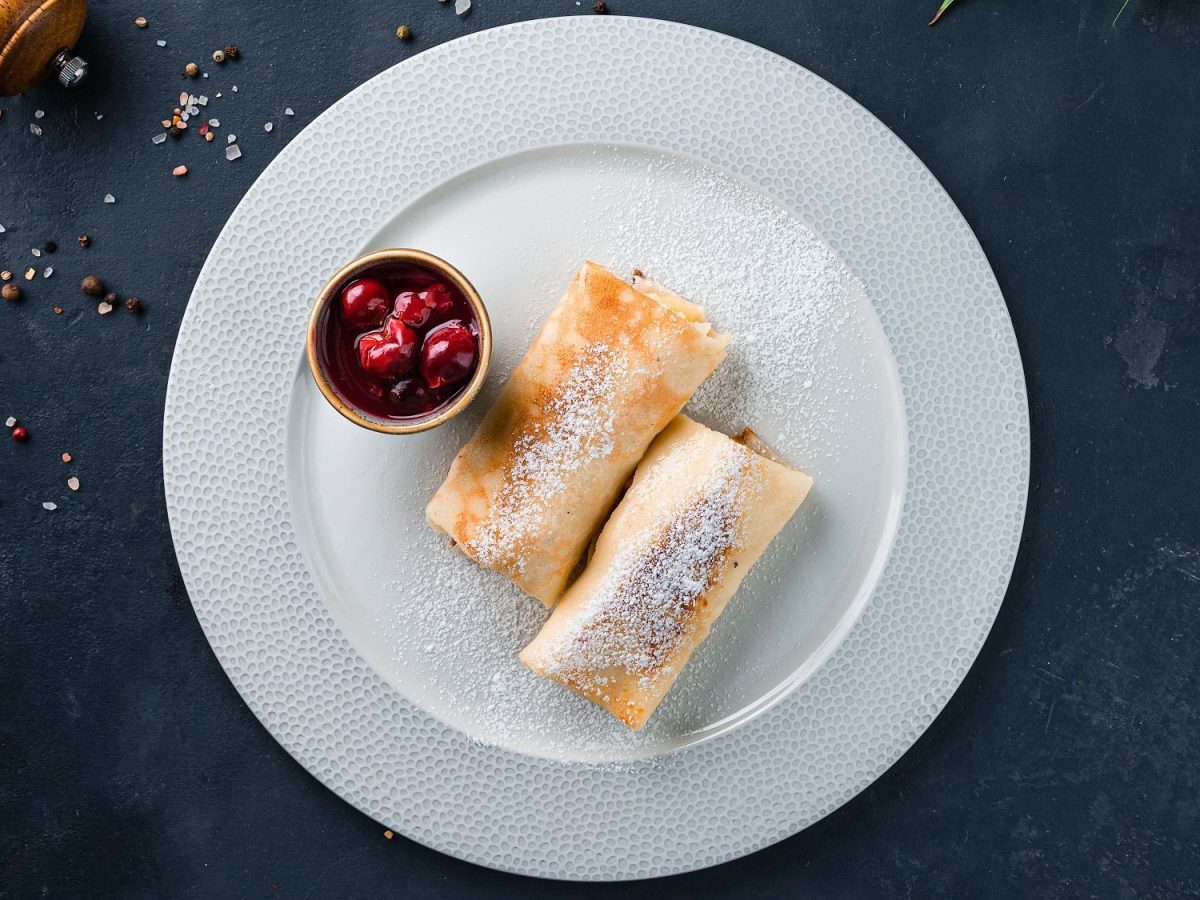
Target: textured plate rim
350,764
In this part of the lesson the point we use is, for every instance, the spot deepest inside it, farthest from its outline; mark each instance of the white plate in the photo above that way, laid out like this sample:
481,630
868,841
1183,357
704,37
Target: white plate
879,356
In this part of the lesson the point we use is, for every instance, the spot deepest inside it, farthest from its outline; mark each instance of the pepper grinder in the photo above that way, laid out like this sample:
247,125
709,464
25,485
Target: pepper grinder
36,41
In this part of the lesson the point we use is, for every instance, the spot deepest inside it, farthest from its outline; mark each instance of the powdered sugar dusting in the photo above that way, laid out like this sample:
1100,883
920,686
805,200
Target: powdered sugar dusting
804,369
763,277
577,429
639,615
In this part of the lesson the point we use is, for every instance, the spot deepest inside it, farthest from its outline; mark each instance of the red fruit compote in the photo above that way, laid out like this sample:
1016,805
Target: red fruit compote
399,341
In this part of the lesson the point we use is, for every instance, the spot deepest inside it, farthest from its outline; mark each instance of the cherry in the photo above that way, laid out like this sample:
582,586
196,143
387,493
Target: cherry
364,302
448,355
411,398
411,309
390,351
437,297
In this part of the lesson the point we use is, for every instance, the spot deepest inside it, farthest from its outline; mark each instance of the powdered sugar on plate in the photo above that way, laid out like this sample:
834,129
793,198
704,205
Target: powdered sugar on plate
802,370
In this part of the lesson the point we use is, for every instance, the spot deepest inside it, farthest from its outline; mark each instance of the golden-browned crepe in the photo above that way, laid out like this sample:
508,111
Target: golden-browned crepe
610,368
700,511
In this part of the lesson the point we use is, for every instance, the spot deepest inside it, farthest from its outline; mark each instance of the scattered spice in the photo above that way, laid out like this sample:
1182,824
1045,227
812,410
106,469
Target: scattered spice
112,298
73,483
191,70
231,51
58,310
104,308
600,7
49,246
389,834
209,136
134,305
218,56
30,273
84,240
11,292
92,286
6,275
66,457
140,22
179,171
20,433
404,32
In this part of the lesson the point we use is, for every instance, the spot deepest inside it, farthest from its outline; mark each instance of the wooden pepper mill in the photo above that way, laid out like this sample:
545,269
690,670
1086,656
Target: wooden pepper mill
36,41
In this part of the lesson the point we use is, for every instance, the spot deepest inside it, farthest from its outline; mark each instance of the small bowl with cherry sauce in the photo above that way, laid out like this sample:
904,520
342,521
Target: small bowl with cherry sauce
399,341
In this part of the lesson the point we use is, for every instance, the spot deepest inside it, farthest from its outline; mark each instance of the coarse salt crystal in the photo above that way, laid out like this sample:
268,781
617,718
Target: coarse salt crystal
35,128
218,95
104,308
38,113
231,139
183,99
233,151
202,100
214,123
269,126
73,483
10,421
235,88
461,6
289,112
48,272
159,138
36,252
109,198
50,506
2,229
161,43
179,171
99,116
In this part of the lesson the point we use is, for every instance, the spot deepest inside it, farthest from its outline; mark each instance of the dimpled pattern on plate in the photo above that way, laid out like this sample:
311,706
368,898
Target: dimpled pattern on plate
709,97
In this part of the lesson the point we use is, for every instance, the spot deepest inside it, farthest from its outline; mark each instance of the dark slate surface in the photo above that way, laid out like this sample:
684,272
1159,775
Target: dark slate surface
1066,764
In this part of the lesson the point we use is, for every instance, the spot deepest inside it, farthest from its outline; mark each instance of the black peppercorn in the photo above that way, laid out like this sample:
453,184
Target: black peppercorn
231,52
134,305
92,286
111,297
50,246
600,7
84,240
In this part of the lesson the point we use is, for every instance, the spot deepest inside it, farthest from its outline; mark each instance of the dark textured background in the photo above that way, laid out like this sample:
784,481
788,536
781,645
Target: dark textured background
1067,763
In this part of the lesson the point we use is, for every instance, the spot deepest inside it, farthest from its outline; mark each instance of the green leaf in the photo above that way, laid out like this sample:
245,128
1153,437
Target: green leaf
945,6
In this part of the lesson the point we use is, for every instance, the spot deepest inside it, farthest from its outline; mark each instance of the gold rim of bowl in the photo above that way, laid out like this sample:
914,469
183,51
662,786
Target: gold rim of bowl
330,292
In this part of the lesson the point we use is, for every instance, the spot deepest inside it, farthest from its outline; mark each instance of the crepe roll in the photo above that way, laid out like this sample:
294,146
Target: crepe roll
700,511
611,367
